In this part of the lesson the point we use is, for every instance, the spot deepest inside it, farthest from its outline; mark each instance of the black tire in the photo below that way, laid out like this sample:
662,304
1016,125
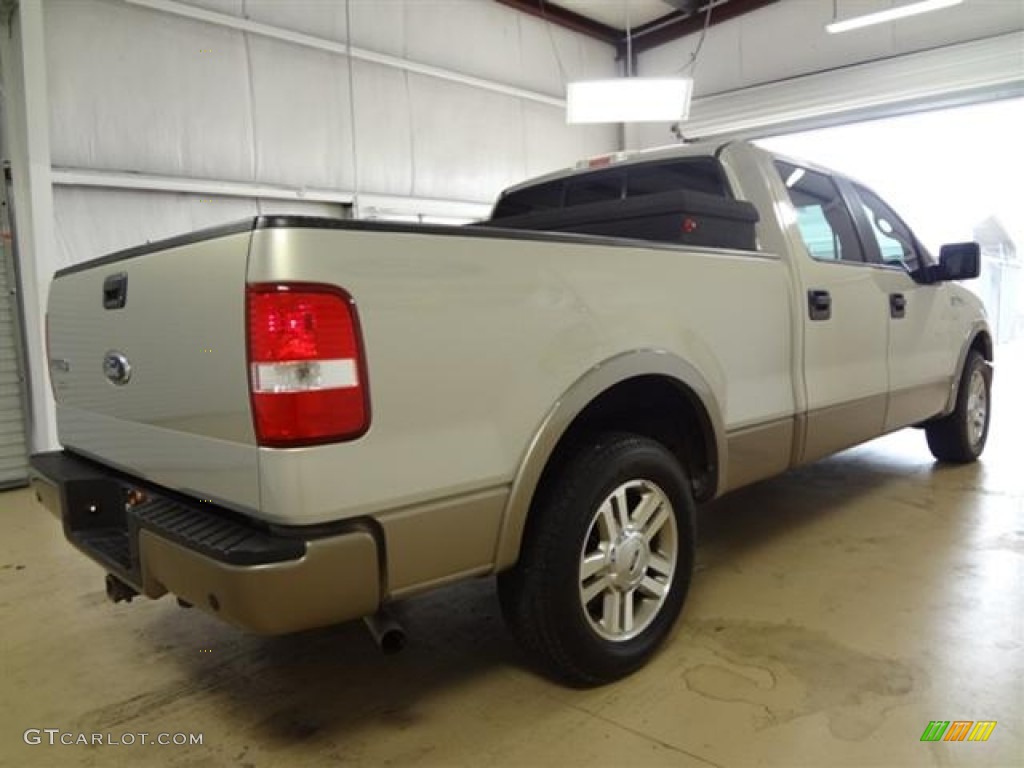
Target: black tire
542,597
960,437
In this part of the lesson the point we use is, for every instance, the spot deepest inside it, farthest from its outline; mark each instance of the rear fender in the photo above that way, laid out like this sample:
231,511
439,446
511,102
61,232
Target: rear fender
571,404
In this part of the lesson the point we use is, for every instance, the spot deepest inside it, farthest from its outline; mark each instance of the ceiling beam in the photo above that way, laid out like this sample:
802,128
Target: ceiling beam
563,17
674,25
686,6
671,26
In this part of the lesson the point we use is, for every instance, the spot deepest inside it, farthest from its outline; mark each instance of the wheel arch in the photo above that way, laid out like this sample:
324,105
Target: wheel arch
979,340
623,392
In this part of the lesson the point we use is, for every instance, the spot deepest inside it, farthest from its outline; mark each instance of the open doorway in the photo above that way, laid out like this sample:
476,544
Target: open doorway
954,175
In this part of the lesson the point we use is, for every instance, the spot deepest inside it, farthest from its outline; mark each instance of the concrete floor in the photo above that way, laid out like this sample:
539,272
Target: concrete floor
835,612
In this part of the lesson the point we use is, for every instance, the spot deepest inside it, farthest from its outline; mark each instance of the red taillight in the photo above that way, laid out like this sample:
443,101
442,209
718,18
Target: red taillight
306,369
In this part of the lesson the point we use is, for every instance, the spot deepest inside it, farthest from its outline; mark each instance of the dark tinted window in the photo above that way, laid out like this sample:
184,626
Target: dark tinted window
542,197
594,188
824,220
696,175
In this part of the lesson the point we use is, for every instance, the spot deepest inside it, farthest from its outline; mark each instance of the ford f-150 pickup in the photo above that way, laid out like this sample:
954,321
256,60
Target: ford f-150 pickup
291,422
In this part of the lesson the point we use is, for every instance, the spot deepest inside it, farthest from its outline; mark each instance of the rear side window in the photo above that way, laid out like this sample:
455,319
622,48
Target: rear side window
824,220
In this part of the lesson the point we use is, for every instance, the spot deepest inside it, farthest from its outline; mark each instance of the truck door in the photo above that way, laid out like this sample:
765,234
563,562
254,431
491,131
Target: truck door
845,316
923,346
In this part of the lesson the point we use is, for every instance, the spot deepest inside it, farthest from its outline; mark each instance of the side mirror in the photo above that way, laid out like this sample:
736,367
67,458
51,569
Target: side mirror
959,261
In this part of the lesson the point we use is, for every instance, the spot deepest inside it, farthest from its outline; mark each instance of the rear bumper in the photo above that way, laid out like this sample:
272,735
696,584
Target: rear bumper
159,542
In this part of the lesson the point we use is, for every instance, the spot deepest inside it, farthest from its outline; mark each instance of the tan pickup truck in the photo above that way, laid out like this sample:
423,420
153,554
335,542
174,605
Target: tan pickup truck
291,422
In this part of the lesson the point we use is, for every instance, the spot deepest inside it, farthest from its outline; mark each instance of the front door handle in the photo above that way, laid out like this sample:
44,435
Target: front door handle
897,305
819,304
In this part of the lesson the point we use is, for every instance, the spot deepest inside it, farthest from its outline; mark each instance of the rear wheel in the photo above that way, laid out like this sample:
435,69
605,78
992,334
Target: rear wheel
960,437
606,561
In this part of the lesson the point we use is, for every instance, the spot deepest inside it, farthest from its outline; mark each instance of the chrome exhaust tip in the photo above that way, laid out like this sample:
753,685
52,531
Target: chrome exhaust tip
386,632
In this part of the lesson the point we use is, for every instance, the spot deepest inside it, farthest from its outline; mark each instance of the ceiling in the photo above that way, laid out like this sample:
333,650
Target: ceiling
619,13
649,22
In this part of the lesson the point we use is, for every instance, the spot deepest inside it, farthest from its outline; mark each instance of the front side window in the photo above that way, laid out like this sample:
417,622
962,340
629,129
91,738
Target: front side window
824,220
896,243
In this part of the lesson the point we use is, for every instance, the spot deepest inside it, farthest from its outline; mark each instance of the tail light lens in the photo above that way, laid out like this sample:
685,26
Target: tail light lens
307,373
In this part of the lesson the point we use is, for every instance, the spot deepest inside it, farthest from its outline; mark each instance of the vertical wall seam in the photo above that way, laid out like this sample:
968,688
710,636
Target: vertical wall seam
254,169
412,135
349,62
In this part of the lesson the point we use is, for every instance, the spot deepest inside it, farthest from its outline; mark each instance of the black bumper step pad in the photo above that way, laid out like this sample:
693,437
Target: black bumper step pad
220,538
113,544
98,519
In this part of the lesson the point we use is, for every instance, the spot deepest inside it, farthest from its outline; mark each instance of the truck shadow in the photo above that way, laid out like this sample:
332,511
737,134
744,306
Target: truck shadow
896,470
328,687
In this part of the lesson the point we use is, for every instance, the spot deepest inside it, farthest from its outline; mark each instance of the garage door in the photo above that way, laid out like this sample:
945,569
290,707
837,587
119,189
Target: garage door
954,75
13,447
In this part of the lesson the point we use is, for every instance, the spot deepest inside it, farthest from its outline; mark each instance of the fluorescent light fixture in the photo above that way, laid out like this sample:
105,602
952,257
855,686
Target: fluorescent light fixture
629,100
890,14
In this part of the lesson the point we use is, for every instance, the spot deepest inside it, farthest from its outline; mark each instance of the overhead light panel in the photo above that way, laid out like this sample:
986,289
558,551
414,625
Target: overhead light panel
629,100
890,14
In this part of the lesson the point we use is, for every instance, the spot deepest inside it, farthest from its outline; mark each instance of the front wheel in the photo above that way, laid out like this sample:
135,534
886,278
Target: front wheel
606,561
960,437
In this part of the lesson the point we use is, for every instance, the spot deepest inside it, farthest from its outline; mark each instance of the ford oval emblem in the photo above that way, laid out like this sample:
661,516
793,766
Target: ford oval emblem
116,368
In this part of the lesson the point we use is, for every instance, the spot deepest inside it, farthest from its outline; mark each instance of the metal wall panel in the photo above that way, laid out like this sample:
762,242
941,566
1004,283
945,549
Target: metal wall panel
301,116
146,95
313,17
377,26
476,137
548,148
480,39
13,445
384,129
83,216
133,90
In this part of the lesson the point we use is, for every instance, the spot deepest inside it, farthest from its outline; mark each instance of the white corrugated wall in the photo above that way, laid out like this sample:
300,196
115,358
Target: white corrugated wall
160,122
13,443
135,89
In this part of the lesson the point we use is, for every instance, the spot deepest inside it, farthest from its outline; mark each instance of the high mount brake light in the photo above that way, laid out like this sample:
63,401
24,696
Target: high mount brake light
307,375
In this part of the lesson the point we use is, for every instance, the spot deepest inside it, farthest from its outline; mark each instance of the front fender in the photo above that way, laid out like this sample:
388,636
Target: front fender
979,328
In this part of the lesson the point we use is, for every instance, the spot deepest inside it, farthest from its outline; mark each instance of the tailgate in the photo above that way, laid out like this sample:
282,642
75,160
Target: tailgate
147,359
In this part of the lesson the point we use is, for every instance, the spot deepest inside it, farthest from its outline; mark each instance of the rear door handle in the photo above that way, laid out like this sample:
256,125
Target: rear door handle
897,305
819,304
